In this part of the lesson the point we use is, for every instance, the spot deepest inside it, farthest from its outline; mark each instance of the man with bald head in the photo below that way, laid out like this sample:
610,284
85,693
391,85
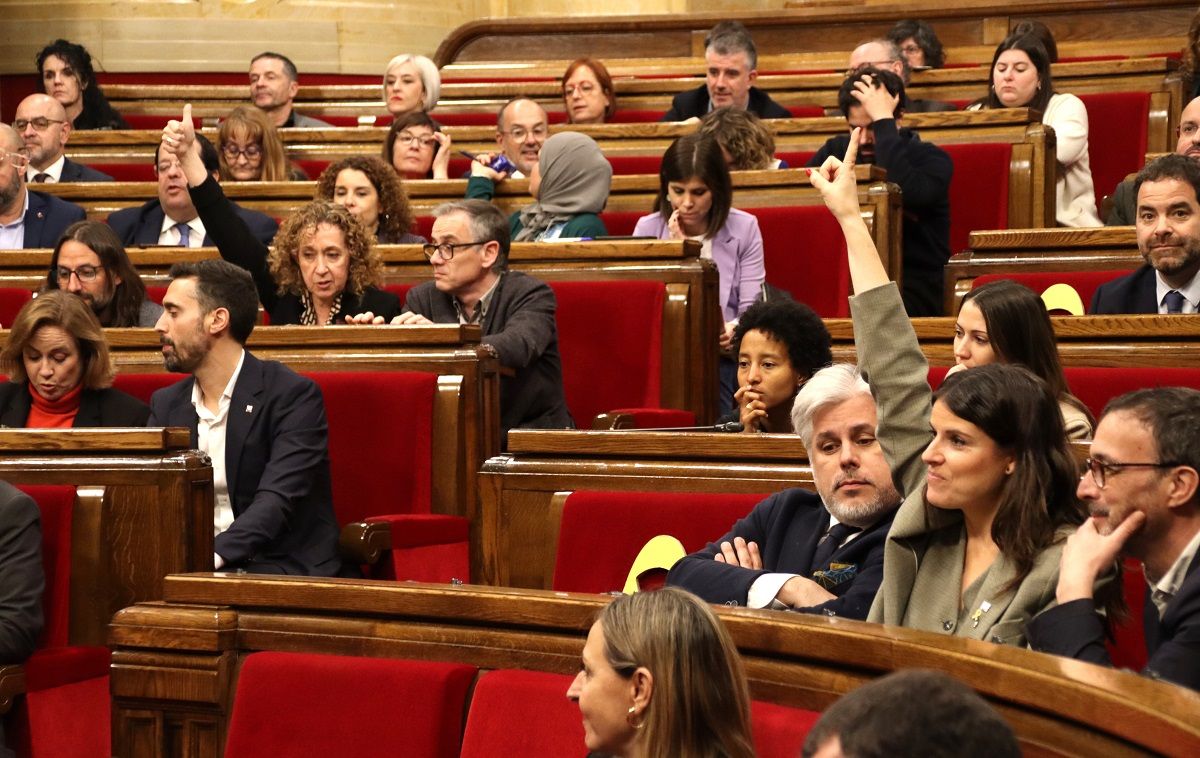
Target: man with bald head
886,55
1124,199
521,128
44,127
27,219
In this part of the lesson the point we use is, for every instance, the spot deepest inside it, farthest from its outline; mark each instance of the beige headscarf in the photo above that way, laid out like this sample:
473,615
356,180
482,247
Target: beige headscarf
576,178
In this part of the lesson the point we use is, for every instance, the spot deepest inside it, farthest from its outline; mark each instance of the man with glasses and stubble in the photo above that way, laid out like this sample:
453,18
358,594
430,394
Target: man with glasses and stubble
171,219
1142,489
469,254
27,219
42,123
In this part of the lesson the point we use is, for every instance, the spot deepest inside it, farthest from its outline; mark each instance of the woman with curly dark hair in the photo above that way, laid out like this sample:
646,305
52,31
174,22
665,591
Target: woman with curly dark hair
323,268
372,192
67,76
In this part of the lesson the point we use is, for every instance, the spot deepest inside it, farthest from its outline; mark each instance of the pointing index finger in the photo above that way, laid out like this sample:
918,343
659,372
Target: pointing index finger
852,149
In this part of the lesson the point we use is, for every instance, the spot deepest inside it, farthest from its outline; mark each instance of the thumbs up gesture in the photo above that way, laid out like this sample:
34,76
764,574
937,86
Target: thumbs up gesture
178,137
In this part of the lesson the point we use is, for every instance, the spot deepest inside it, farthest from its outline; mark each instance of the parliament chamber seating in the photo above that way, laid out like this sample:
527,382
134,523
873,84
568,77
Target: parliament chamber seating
1117,134
1085,283
600,533
12,300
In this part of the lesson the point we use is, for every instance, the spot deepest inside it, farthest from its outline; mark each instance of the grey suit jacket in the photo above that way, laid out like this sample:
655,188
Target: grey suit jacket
931,545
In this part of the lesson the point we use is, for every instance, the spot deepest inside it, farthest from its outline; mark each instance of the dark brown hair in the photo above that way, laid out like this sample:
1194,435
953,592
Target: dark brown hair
695,156
124,309
395,214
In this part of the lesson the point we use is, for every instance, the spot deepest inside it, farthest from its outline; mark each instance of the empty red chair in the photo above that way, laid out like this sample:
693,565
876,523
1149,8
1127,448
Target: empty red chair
1117,136
293,704
523,713
805,254
1095,386
779,731
601,533
978,189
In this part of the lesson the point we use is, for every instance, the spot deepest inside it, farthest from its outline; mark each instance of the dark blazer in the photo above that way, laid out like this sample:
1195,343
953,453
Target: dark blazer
276,466
239,245
1075,630
519,324
923,172
142,226
21,566
1124,205
1132,293
694,103
787,527
77,172
47,218
103,407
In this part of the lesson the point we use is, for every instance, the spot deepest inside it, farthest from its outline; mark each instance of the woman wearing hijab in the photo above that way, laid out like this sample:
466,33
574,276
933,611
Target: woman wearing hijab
570,183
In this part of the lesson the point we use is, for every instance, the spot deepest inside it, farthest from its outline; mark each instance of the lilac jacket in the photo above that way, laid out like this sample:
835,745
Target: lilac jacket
737,250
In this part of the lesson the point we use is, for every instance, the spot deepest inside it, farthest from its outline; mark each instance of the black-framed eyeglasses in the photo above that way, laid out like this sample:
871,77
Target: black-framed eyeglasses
446,249
41,123
233,151
519,133
1101,470
85,273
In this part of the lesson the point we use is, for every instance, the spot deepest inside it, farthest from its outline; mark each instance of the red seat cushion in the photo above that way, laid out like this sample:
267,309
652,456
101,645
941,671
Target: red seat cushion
610,338
602,532
523,713
796,158
779,731
1085,282
625,165
128,172
399,290
142,386
12,300
811,266
621,223
1117,126
290,704
56,505
978,190
623,116
1127,649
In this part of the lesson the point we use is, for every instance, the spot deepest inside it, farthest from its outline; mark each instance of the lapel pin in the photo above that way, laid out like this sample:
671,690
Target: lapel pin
249,409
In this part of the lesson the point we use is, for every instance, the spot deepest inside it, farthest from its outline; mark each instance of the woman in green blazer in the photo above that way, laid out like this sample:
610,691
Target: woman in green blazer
975,552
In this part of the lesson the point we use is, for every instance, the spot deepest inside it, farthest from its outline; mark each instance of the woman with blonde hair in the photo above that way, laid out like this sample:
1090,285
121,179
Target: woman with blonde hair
411,83
661,677
59,370
250,149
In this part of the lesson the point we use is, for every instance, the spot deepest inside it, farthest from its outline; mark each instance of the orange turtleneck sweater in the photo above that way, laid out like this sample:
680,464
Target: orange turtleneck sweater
54,414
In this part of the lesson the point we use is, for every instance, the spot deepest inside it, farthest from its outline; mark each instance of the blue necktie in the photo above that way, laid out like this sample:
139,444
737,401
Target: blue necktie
829,545
1174,301
184,233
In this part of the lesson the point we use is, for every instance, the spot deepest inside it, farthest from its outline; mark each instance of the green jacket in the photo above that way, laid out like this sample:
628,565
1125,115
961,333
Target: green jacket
583,225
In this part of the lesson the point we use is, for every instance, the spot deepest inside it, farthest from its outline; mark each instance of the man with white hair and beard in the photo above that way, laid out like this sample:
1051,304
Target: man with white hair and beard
822,552
27,219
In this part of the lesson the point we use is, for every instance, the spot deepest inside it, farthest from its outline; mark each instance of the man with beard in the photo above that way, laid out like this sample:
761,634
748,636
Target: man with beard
1143,492
42,123
90,262
262,425
1168,237
1124,198
874,100
819,552
274,83
27,219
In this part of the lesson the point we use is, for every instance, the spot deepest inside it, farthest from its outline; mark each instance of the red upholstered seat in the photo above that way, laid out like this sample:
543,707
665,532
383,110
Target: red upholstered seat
625,165
156,292
623,116
142,386
1127,649
978,189
290,704
1117,127
64,683
779,731
12,300
806,111
610,339
621,223
399,290
381,459
805,254
602,532
313,167
128,172
522,713
1084,282
796,158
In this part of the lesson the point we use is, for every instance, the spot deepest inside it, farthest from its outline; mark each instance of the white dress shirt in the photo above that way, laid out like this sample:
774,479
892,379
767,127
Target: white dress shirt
53,171
170,236
1190,292
210,435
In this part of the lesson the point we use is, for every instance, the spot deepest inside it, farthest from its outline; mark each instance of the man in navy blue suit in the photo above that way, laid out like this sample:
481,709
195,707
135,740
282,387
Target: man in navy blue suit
1167,220
816,552
1143,492
172,219
262,425
28,219
43,124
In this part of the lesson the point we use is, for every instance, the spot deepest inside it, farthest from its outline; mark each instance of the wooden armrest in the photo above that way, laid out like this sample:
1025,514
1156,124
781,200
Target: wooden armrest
363,543
608,421
12,683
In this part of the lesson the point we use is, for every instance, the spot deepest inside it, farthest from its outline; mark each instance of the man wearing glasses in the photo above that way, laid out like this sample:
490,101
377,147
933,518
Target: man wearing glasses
172,220
469,254
1124,198
1142,489
42,123
27,219
886,55
521,128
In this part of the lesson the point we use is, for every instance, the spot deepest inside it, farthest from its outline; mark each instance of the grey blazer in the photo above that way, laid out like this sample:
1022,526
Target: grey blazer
888,348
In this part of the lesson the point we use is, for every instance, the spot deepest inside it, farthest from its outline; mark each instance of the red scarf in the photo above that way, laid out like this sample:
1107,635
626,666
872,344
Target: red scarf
54,414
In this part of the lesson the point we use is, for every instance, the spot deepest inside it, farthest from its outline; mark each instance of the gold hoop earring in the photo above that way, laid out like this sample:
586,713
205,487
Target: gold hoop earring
631,718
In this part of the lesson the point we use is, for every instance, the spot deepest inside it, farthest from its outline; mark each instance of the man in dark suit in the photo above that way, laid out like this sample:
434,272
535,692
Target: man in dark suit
1143,492
172,219
469,253
262,425
1168,237
21,567
28,219
1124,198
817,552
43,125
732,61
